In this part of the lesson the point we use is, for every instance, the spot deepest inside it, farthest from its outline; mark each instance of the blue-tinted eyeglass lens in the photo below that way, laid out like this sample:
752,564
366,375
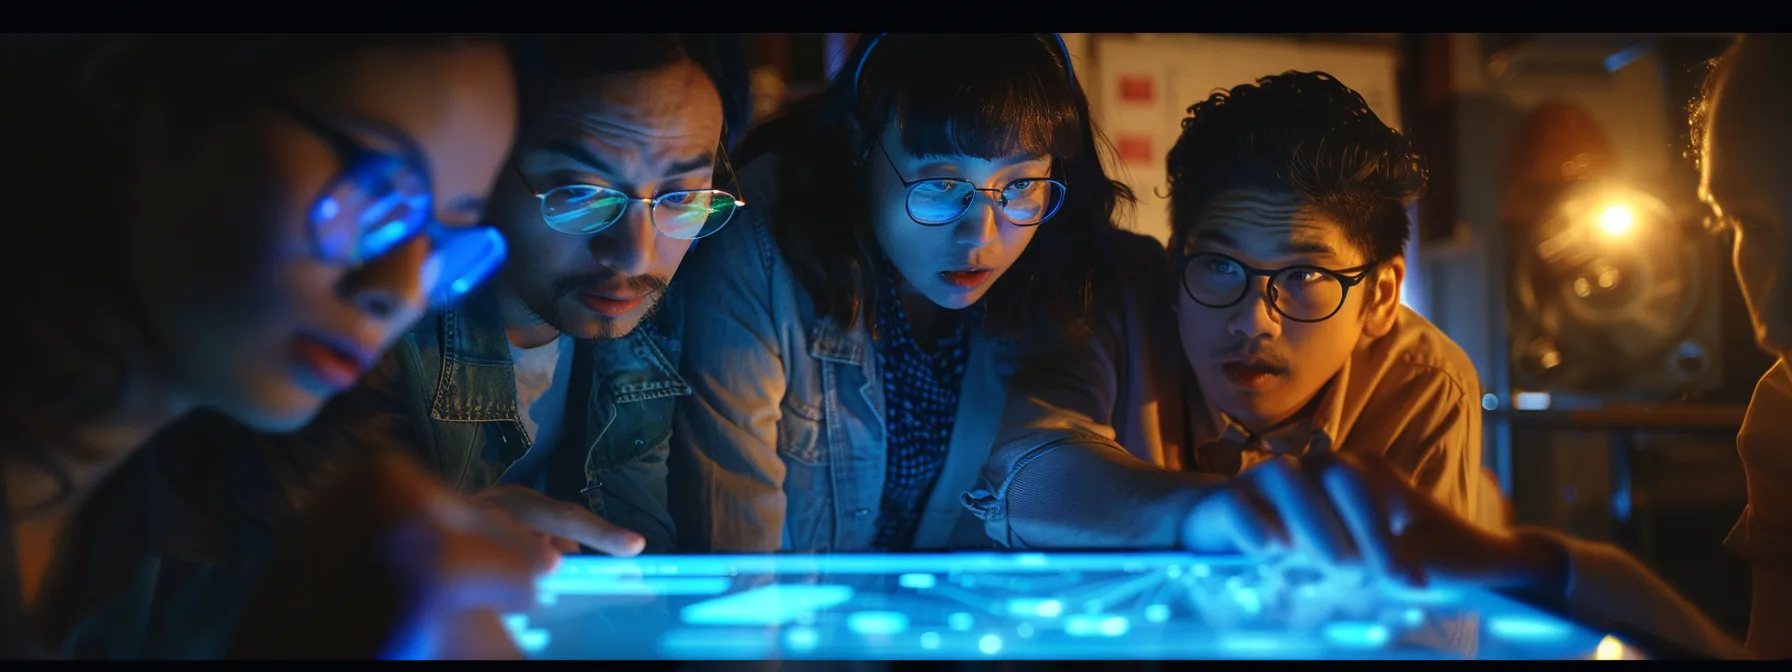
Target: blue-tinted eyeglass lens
582,208
942,201
693,214
372,207
464,258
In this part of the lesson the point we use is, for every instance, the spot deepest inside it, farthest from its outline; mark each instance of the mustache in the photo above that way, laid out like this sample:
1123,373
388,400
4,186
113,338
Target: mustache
640,284
1247,348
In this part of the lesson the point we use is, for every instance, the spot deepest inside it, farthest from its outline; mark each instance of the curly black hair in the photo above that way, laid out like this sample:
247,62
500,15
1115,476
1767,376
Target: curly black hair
1303,133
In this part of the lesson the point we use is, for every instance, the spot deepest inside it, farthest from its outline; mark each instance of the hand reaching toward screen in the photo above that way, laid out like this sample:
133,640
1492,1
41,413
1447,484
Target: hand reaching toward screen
564,525
1346,512
390,564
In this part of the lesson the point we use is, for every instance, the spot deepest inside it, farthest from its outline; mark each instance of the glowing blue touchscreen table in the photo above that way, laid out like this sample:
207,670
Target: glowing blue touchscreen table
968,606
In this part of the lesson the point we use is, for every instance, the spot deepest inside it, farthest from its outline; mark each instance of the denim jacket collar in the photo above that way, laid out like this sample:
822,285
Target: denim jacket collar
478,382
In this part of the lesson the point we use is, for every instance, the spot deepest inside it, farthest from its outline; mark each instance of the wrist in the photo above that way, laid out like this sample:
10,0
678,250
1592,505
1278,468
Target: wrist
1544,561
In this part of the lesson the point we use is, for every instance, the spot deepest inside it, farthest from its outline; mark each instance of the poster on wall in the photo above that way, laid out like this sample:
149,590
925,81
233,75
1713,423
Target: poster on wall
1146,82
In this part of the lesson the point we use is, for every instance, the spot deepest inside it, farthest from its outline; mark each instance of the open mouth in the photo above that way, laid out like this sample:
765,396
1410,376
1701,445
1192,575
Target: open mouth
1251,374
967,278
330,360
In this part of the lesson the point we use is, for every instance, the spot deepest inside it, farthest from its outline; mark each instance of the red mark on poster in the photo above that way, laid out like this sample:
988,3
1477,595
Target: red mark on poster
1135,148
1135,89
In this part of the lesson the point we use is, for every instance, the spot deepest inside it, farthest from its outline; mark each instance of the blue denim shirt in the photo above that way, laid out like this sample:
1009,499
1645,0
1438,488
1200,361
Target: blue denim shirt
781,445
447,393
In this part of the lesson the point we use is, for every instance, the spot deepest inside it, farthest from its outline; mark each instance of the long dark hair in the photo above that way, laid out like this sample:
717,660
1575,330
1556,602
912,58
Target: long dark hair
984,95
63,268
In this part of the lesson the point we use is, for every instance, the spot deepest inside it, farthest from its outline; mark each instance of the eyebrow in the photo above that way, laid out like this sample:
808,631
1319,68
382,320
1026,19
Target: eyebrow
581,154
1287,248
584,155
1308,247
1216,237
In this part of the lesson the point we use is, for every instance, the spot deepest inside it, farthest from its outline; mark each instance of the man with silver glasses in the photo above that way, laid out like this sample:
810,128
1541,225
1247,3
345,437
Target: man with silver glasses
549,393
1288,208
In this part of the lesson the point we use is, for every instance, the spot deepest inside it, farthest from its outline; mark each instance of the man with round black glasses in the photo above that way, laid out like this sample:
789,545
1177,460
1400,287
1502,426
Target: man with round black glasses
549,393
1289,215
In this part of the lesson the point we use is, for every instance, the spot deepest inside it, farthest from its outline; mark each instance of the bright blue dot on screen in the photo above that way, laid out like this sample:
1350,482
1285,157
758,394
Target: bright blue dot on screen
1249,599
460,286
532,641
877,622
1356,634
1025,630
990,644
1114,627
930,640
1527,628
1049,608
960,621
1414,617
1157,613
917,581
802,639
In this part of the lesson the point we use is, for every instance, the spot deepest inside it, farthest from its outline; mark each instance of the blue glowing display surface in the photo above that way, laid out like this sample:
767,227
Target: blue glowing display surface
971,606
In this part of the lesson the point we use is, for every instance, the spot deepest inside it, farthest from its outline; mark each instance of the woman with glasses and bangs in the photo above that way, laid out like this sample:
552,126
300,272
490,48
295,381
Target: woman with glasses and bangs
240,224
938,211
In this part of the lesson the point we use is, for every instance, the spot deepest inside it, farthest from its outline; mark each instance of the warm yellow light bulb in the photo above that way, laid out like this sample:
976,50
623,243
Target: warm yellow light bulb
1617,220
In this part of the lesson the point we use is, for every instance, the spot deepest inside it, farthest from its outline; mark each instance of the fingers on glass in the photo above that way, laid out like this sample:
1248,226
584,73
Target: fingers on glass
1367,514
1312,526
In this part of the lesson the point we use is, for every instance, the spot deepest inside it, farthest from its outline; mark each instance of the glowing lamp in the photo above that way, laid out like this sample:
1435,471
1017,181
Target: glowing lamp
1617,220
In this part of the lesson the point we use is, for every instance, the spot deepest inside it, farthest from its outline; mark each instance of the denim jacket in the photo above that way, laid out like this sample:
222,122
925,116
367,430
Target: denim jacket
781,444
446,392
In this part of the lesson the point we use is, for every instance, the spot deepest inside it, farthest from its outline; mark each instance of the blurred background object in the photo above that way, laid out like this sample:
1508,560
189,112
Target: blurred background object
1556,245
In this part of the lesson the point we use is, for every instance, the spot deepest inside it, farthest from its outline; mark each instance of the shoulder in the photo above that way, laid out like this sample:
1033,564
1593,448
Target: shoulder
748,237
1417,353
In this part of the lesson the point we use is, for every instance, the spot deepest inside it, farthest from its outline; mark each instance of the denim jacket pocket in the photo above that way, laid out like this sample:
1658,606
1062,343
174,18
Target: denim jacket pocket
802,434
808,483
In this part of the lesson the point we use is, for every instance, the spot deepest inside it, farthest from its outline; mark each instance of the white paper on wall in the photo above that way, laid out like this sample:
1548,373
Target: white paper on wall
1143,84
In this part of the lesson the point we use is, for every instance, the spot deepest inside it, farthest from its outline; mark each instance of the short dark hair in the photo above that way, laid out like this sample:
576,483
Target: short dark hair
1303,133
546,62
979,95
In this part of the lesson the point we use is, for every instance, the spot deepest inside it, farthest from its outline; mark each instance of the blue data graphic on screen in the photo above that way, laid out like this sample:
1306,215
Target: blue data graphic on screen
971,606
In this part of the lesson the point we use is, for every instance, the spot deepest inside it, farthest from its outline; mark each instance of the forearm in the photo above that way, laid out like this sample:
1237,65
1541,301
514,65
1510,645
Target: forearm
1605,585
1084,492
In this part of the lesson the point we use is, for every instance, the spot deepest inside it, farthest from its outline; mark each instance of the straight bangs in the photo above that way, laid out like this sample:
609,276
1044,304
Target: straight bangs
988,97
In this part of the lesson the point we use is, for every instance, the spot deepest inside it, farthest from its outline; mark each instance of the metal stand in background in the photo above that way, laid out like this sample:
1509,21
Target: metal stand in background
1623,421
1499,368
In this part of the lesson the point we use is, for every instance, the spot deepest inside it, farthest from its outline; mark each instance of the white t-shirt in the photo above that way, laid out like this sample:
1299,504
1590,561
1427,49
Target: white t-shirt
542,375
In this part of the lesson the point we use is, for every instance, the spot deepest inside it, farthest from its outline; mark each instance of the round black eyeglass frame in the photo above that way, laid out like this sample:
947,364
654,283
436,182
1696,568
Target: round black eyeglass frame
1347,278
1000,200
